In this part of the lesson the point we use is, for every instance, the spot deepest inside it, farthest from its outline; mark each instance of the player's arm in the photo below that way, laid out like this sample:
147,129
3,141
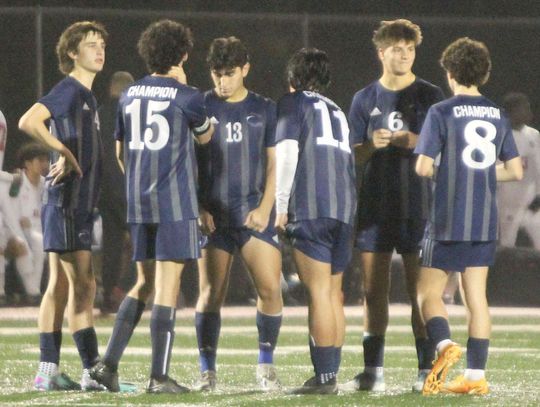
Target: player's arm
120,155
286,163
424,166
511,170
404,139
33,123
205,137
258,218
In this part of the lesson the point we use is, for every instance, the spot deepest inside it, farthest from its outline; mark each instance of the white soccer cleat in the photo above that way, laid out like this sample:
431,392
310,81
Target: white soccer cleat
207,381
418,386
89,384
365,382
267,377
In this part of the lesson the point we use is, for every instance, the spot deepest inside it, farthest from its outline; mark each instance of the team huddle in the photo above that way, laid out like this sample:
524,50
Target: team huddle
211,173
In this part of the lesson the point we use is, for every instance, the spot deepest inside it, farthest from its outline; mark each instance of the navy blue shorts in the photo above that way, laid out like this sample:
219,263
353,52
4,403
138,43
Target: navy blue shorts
228,239
405,236
65,230
457,256
166,241
326,240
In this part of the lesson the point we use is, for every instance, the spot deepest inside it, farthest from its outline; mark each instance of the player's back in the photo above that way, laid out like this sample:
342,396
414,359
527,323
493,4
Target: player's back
324,183
474,134
155,122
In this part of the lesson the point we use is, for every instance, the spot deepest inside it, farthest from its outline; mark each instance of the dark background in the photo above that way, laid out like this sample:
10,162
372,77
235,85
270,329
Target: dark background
272,30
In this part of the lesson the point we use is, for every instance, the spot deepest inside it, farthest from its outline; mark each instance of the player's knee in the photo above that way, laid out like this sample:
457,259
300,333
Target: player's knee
270,293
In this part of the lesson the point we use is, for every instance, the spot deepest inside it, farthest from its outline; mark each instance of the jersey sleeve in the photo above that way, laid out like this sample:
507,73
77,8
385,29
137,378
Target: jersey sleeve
508,145
195,111
357,121
58,100
288,121
431,137
270,132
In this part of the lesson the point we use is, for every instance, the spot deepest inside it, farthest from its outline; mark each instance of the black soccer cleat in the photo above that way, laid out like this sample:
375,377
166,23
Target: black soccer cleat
105,376
311,386
165,386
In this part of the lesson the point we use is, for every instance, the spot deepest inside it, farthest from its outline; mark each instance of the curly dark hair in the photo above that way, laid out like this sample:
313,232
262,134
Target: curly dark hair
163,44
309,69
30,151
468,61
227,53
71,38
390,32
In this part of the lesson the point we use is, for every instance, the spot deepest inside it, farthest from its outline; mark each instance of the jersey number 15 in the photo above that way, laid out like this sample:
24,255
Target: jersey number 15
153,140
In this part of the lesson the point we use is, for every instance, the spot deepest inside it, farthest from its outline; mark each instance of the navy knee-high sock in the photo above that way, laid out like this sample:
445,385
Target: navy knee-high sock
207,326
268,327
162,333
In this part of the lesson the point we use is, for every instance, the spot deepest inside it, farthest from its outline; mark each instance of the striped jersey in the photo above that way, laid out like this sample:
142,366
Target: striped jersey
233,164
390,188
465,135
75,122
324,181
157,118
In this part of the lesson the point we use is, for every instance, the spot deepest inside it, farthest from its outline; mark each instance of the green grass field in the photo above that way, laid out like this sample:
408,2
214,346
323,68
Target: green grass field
513,368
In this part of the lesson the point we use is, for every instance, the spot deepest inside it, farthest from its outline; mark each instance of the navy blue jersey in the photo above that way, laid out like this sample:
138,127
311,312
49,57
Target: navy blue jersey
233,163
75,122
324,182
157,118
390,188
466,135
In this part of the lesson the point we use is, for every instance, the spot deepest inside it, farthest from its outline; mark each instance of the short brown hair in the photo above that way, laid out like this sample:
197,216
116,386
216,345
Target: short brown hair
227,53
71,38
468,61
390,32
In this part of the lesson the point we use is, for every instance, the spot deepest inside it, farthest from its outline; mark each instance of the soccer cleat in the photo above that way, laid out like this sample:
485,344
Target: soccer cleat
267,377
420,380
89,384
311,386
437,375
365,382
460,385
105,376
165,386
60,382
207,381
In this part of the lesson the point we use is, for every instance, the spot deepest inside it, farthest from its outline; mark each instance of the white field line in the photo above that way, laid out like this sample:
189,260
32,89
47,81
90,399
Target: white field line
280,350
294,329
396,310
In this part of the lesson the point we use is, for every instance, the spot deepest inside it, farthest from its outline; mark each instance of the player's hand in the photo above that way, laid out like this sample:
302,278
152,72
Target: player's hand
207,222
381,138
257,220
404,139
178,73
16,248
25,223
63,167
281,222
535,204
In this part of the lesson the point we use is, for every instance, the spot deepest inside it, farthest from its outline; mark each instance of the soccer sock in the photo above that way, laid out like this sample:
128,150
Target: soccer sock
268,327
337,358
373,350
87,345
323,363
49,350
48,368
477,354
425,350
129,314
162,333
207,326
439,332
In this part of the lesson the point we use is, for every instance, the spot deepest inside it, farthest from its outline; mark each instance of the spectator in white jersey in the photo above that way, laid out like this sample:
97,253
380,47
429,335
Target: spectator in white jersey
519,200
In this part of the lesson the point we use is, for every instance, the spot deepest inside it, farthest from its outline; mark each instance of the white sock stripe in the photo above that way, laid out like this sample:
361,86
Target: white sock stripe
166,354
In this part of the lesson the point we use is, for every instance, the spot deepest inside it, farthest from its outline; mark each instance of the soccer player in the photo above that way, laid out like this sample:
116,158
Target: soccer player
515,198
237,195
315,204
71,192
158,118
458,147
386,118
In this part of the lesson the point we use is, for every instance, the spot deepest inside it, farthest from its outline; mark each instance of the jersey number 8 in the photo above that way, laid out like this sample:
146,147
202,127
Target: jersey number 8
477,142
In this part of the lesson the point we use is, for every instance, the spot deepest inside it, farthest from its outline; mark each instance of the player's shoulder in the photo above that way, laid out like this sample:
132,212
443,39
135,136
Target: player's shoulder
426,86
259,99
66,88
368,91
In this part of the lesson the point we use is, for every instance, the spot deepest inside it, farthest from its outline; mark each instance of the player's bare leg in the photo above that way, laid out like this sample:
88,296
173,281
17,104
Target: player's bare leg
317,278
50,319
264,264
473,381
339,314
